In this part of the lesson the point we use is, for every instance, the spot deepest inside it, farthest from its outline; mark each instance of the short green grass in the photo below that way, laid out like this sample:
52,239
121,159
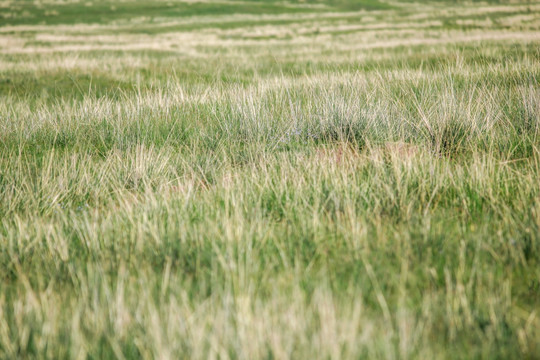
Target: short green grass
269,179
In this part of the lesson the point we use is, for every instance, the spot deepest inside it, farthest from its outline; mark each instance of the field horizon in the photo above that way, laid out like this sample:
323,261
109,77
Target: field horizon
223,179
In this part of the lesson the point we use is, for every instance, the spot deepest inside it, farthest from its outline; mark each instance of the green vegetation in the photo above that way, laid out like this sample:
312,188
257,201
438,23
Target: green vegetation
269,179
75,12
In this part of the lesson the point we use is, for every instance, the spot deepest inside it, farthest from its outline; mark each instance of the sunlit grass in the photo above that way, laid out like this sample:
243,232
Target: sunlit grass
351,185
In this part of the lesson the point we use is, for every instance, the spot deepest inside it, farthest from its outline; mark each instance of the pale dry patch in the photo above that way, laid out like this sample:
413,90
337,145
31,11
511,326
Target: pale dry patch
533,7
92,39
177,46
321,29
114,66
395,152
339,155
446,38
450,10
487,22
9,42
529,20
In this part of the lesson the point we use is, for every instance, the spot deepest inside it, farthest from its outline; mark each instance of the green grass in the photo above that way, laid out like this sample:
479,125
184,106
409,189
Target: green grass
319,179
30,12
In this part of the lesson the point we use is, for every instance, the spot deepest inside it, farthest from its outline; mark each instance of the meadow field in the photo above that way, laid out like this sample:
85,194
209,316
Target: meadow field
242,179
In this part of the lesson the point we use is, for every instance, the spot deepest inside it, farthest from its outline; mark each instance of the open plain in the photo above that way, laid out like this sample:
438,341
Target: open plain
227,179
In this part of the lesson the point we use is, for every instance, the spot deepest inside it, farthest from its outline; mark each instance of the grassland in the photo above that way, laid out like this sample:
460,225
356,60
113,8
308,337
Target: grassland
269,180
